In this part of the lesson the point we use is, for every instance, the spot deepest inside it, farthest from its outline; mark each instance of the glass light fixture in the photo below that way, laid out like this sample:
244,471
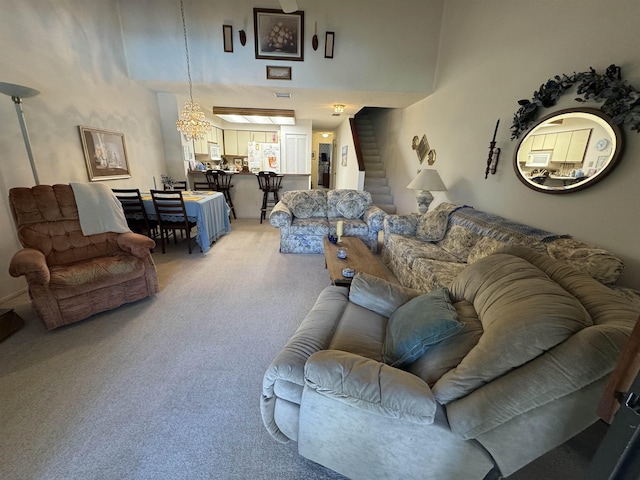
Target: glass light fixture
192,123
338,108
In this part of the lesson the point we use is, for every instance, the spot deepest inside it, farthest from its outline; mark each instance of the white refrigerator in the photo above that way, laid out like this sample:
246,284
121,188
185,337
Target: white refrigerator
264,157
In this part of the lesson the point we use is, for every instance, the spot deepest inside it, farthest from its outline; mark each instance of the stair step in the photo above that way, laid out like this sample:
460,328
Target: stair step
390,209
383,199
378,189
373,165
372,159
376,174
374,182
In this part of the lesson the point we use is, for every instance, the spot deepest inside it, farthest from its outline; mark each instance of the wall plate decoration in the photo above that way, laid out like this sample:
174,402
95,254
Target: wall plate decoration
423,150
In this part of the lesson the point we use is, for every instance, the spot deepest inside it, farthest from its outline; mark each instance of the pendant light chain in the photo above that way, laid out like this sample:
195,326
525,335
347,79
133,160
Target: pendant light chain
186,49
192,122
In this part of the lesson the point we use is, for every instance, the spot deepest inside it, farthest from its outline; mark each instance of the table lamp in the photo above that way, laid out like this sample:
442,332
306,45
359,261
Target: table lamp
425,182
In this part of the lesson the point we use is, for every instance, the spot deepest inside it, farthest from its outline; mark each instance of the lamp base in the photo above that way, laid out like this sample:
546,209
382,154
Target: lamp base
424,199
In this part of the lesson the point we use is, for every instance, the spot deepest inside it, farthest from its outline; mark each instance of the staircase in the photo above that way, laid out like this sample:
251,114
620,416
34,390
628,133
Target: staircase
375,176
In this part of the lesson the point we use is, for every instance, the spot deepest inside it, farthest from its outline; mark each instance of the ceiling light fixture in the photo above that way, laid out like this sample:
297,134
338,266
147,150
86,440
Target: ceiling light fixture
262,116
338,108
192,123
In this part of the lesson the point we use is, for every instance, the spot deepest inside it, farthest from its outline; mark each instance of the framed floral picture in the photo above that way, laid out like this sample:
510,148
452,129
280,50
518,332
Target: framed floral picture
105,154
278,35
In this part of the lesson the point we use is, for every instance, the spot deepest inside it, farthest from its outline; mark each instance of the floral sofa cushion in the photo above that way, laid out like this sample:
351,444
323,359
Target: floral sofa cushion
347,203
306,203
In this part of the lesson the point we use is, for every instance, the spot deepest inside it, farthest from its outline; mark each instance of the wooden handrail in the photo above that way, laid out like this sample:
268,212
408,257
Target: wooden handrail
356,143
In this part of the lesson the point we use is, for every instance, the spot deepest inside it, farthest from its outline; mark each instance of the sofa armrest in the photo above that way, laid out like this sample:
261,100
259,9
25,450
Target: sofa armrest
370,385
135,244
32,264
280,216
401,224
374,218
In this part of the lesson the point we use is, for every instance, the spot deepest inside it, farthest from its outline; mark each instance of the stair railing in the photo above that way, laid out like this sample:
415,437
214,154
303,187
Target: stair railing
356,143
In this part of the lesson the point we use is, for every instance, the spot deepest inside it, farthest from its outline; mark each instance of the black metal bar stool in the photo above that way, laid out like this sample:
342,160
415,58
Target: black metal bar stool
269,183
222,182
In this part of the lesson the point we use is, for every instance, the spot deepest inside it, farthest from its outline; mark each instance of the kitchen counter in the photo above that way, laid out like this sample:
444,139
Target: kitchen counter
245,194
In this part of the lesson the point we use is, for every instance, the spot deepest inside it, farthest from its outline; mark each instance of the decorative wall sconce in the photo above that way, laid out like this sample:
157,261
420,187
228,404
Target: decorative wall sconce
423,150
314,40
329,40
494,154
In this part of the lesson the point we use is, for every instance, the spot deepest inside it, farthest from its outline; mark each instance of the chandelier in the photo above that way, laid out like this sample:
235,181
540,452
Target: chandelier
192,123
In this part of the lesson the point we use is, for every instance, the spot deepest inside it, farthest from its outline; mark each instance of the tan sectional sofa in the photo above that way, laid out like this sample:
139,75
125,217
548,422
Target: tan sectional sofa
522,373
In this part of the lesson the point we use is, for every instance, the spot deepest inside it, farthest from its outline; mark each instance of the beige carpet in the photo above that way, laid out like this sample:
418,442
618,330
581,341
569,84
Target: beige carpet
168,387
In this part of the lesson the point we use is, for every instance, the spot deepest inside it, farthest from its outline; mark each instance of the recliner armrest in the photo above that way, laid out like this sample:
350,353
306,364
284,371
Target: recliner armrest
32,264
370,385
135,244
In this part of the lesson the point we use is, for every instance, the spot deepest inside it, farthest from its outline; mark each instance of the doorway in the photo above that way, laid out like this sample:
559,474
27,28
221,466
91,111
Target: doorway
324,165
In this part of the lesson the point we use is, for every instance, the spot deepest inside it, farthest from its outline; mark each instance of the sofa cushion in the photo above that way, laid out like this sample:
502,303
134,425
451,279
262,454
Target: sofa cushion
302,204
378,294
309,226
448,354
523,313
418,324
432,226
351,205
459,241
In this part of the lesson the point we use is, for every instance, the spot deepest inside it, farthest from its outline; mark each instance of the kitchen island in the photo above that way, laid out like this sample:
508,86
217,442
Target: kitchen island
245,194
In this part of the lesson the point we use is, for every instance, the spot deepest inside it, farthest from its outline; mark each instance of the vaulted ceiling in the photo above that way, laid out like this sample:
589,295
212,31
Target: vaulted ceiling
385,54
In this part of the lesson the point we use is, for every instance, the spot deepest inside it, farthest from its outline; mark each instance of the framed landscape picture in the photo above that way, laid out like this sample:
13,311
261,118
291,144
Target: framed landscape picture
278,35
105,154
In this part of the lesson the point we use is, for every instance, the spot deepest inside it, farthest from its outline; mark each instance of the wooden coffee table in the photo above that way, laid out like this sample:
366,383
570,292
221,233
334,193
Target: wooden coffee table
359,257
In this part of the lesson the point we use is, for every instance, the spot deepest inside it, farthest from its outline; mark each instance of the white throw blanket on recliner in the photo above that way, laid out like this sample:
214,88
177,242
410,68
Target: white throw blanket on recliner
99,210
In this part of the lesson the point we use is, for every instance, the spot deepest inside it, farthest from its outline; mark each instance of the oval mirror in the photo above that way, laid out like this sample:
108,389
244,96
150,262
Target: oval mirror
568,150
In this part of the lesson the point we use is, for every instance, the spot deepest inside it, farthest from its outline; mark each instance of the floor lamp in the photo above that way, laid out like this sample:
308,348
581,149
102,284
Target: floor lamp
17,93
10,322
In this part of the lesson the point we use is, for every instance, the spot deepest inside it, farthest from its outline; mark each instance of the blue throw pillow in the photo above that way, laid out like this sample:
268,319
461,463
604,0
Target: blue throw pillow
418,324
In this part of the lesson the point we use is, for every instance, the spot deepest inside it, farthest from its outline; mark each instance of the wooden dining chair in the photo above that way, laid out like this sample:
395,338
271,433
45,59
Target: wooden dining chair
172,215
203,186
181,185
222,182
135,213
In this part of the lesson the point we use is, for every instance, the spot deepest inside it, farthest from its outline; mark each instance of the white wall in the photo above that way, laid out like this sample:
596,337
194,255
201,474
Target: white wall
72,52
346,176
492,54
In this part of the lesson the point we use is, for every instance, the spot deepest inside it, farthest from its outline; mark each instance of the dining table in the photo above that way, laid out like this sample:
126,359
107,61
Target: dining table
208,209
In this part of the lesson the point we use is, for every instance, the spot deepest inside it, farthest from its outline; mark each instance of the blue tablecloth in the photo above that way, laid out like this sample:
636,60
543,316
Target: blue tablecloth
208,209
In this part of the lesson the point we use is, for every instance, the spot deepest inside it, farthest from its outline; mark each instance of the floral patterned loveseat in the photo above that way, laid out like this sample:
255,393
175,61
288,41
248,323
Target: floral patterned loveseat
305,217
428,251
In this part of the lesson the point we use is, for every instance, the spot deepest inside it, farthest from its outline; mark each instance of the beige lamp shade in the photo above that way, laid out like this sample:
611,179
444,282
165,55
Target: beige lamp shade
426,181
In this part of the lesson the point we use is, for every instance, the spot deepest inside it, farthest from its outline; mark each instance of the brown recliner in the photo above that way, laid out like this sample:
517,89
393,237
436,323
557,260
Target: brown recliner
72,276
